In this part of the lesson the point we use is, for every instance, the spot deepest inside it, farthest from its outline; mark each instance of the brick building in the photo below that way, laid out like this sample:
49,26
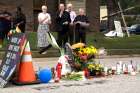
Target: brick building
11,5
32,7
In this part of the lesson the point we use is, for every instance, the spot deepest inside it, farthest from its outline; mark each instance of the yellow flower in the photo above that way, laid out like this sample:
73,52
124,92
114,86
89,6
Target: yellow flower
78,45
88,50
97,68
91,66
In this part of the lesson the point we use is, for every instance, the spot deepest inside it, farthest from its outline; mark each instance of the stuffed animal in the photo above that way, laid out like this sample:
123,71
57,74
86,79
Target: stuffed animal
66,68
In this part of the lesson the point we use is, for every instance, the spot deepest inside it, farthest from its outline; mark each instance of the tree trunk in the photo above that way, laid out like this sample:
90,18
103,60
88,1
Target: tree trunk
93,12
112,7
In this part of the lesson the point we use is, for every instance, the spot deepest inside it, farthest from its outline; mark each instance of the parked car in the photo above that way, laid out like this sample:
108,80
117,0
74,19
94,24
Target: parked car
134,29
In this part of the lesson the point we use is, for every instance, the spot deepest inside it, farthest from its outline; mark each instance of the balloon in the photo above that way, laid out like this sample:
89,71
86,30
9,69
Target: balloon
45,75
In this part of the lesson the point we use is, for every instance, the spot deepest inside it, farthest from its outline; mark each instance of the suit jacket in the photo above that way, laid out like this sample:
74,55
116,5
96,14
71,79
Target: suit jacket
81,18
60,20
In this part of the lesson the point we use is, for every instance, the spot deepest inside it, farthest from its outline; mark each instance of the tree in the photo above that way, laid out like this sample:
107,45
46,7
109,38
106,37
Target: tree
131,3
93,12
112,7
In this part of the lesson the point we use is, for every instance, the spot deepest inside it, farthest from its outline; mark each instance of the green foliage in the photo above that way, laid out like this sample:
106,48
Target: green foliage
132,20
131,3
73,76
127,4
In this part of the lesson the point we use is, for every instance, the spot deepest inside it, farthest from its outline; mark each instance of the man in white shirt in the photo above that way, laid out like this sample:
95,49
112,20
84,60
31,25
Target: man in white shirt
72,17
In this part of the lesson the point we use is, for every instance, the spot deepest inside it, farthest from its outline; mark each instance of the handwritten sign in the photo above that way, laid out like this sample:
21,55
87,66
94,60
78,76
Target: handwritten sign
11,58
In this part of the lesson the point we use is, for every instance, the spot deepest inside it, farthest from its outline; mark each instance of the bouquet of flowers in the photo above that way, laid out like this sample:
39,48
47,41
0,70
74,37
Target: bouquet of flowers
95,69
83,55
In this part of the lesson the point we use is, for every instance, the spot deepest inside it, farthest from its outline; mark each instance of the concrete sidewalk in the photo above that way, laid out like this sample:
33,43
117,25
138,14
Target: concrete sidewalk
111,84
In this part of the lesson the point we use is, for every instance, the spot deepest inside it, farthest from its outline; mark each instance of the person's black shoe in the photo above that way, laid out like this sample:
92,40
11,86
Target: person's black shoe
42,52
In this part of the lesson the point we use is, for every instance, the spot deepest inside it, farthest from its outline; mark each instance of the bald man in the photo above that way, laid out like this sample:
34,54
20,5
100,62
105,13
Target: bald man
81,23
72,16
71,11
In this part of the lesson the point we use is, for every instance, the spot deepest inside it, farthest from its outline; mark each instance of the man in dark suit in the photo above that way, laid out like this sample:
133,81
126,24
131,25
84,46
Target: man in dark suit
63,20
81,23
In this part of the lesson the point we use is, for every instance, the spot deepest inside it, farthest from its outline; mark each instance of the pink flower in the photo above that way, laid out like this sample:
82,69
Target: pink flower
83,57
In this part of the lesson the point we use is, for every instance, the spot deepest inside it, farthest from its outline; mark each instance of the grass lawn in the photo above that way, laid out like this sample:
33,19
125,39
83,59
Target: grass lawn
116,45
99,40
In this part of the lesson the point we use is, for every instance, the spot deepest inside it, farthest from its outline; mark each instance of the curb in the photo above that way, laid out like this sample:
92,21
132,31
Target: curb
118,56
55,53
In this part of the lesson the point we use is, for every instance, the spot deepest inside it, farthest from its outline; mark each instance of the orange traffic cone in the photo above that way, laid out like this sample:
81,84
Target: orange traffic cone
26,71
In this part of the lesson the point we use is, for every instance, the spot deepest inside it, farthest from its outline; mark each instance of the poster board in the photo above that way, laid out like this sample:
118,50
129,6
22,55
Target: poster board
12,57
118,28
